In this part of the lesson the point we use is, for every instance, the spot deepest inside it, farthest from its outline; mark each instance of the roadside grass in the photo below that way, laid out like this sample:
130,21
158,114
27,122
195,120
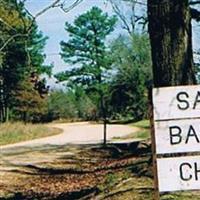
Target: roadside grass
141,188
17,132
142,124
143,133
125,185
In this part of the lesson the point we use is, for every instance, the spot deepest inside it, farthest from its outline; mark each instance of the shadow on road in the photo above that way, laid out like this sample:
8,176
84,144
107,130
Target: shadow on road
67,171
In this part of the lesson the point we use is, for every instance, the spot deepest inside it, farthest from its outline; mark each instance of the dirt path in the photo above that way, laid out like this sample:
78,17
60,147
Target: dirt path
50,168
78,133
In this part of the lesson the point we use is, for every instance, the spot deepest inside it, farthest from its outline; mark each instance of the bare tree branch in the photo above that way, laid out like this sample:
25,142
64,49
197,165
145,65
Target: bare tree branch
28,29
195,14
8,25
194,2
67,9
10,39
122,17
53,5
133,16
56,3
130,22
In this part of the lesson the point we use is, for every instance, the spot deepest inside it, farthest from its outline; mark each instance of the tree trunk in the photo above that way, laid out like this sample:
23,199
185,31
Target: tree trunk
171,48
104,115
104,131
171,42
1,110
24,116
1,113
7,114
1,102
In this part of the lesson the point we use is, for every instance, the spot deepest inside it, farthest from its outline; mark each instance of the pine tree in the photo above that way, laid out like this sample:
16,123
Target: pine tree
87,51
21,50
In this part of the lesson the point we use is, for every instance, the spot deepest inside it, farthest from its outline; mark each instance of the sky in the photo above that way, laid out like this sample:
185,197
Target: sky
52,24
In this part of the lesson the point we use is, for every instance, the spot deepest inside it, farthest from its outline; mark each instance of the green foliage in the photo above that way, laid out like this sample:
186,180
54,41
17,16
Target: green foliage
35,51
86,47
145,124
72,104
28,105
128,87
61,105
87,53
21,54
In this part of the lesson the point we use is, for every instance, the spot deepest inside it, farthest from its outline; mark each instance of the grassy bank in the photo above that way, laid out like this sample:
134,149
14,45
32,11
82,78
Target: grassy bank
145,124
17,132
143,133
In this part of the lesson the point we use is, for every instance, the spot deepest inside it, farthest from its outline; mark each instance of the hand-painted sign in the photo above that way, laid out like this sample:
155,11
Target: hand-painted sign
176,102
177,130
177,136
179,173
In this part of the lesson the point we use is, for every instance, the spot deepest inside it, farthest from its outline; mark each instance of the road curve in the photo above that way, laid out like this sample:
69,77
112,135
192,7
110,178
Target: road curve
78,133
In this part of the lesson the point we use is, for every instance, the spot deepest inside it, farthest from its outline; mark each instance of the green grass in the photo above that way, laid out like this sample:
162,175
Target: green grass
17,132
143,133
142,124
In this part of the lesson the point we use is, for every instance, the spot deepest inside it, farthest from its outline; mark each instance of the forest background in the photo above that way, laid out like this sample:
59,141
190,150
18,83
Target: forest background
106,62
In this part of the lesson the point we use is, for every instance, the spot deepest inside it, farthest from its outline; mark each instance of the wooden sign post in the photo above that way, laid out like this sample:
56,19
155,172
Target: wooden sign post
176,113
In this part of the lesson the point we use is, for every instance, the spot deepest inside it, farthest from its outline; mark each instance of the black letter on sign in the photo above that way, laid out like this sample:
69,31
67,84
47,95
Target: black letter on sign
176,135
185,104
184,178
191,133
197,171
197,100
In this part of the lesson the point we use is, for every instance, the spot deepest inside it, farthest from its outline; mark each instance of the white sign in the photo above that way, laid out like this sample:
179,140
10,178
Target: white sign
177,130
176,174
176,102
177,136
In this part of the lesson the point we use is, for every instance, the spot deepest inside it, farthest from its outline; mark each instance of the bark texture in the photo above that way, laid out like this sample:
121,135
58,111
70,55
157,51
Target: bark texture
171,42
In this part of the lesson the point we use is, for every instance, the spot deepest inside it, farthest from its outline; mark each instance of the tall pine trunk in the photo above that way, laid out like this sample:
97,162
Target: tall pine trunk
171,42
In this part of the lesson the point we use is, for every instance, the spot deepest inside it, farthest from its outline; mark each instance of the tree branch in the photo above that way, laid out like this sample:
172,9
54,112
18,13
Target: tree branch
8,25
62,6
56,3
195,14
53,5
10,39
121,16
194,2
132,18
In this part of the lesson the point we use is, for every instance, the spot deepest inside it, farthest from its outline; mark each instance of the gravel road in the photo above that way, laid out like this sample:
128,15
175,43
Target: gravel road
78,133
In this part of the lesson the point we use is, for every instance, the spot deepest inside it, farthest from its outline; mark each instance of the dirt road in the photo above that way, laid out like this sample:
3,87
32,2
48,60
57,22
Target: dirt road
78,133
